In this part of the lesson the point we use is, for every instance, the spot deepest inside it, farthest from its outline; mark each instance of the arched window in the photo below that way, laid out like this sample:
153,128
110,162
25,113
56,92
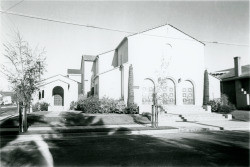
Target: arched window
39,95
42,93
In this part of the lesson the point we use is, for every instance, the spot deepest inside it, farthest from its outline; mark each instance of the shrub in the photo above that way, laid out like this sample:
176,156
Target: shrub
44,106
36,107
107,105
215,104
72,105
226,109
221,105
132,109
40,106
224,99
120,107
104,105
88,105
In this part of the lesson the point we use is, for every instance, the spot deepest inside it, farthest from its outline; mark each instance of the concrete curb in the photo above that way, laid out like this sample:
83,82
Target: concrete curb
89,131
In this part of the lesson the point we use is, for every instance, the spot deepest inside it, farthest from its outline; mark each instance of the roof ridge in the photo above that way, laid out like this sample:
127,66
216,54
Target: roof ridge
166,24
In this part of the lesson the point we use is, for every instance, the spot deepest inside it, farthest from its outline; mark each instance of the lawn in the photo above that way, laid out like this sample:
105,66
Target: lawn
242,115
44,118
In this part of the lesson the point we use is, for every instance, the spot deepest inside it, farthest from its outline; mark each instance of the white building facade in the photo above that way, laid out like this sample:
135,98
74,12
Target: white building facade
165,60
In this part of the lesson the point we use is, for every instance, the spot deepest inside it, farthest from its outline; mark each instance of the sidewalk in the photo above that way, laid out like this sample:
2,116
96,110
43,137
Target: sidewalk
171,127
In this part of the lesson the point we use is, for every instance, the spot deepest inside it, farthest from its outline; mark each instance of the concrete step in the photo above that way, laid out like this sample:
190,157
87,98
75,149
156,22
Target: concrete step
204,117
192,117
171,118
182,109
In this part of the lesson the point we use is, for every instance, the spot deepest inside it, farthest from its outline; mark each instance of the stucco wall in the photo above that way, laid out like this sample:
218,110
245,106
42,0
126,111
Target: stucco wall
214,88
185,58
110,84
106,61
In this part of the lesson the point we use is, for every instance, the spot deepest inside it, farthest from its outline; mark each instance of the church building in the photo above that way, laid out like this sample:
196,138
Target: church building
164,60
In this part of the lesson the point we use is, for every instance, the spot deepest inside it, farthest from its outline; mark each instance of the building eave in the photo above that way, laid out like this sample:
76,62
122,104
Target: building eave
235,78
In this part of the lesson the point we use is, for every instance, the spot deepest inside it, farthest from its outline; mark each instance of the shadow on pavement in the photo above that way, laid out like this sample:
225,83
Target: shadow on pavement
13,124
119,147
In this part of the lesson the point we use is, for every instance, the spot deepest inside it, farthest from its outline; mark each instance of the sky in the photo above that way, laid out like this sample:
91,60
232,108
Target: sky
216,21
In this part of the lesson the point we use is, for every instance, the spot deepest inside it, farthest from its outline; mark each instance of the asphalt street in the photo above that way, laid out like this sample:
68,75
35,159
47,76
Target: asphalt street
218,148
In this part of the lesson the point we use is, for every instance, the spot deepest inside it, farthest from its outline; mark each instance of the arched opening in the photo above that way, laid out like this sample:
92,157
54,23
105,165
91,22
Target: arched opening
188,93
58,94
167,95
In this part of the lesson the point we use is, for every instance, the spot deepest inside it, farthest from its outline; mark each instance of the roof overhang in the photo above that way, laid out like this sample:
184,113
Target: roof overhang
235,78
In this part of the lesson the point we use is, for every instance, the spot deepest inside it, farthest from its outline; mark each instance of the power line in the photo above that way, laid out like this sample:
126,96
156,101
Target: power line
109,29
14,5
64,22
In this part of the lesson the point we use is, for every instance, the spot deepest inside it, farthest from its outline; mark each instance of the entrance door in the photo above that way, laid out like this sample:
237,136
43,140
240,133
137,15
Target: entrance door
58,100
188,93
166,91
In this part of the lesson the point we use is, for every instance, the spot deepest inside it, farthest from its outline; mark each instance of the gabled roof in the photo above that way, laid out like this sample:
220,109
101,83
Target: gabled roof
46,83
59,75
169,37
74,71
125,38
229,73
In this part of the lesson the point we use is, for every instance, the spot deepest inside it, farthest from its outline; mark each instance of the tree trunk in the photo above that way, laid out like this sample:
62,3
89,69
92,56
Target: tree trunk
19,108
25,127
22,117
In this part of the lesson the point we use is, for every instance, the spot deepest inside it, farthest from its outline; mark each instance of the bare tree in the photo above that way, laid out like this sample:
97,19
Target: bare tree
23,71
161,75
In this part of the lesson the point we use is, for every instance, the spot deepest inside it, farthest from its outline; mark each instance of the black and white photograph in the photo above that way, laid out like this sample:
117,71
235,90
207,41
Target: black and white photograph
124,83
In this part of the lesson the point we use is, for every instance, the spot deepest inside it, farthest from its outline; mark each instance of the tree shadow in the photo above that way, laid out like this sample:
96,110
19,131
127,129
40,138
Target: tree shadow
142,120
217,152
10,127
145,150
78,119
121,147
